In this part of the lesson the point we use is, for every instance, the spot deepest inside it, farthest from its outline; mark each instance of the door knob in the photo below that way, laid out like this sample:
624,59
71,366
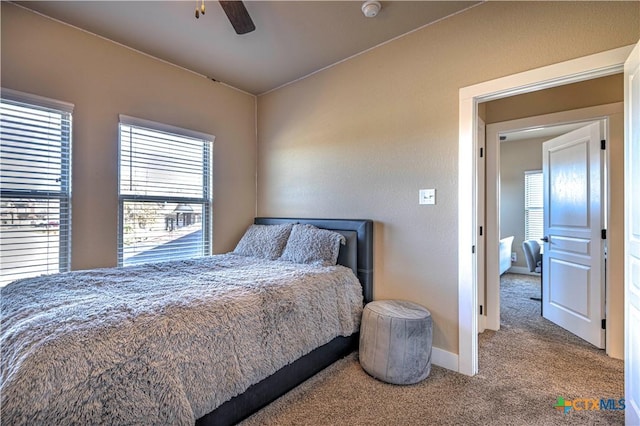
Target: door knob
545,239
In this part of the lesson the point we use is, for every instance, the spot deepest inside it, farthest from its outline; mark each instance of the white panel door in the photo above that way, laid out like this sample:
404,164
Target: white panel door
572,270
632,237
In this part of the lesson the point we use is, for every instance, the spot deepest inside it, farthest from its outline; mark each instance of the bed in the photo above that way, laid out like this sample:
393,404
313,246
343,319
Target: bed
504,252
168,343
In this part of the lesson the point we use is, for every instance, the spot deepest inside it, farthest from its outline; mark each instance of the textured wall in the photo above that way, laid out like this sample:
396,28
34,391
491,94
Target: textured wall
599,91
361,138
515,158
103,79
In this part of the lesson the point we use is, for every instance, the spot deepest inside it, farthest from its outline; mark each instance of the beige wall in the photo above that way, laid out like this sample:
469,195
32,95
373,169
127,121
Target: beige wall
516,157
615,237
361,138
598,91
103,79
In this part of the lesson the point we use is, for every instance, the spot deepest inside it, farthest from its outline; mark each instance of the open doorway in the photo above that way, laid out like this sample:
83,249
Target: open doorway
521,204
581,69
541,128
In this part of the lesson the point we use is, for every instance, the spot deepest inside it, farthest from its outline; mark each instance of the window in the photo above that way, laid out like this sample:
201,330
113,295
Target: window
35,186
164,192
533,205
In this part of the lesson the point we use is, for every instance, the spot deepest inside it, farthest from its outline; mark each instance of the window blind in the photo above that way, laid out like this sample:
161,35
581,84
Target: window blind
35,186
533,206
164,193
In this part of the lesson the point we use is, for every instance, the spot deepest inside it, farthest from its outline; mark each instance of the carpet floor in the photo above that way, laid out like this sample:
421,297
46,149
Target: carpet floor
524,368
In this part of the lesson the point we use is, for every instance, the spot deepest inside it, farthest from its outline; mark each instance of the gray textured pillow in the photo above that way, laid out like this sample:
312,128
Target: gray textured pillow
264,241
308,244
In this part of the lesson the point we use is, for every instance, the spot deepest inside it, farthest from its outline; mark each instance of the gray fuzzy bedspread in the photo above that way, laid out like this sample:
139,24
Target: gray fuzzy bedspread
163,343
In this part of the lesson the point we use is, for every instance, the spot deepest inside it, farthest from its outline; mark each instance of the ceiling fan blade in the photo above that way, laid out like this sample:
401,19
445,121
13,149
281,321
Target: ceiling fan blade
238,16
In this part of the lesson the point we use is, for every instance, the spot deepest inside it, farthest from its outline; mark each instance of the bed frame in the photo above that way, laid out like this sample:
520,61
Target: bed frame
357,254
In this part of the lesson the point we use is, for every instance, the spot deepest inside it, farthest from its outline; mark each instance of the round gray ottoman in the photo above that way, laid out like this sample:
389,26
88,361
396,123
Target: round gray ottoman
395,341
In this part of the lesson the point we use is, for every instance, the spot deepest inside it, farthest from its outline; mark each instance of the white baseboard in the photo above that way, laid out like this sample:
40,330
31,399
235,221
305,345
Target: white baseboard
521,270
444,359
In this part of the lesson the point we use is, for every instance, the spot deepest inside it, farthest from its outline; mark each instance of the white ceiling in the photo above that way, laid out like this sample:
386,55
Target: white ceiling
548,132
292,38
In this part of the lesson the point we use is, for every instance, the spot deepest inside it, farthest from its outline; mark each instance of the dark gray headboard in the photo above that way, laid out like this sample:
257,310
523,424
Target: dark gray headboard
357,254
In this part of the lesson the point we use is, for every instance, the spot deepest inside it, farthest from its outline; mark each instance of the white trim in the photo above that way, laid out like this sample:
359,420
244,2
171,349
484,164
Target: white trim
29,98
162,127
480,198
444,359
580,69
467,284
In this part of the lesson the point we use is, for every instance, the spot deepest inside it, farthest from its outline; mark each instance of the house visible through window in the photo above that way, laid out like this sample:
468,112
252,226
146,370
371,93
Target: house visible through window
164,192
35,186
533,205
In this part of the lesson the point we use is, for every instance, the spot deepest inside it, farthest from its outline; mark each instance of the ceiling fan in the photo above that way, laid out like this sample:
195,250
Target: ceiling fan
237,14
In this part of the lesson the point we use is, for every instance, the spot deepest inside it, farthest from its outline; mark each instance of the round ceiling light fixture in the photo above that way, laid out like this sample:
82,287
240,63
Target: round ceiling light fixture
371,8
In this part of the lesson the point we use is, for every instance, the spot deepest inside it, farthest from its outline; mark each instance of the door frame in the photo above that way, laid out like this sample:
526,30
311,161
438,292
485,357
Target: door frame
481,196
577,116
576,70
632,251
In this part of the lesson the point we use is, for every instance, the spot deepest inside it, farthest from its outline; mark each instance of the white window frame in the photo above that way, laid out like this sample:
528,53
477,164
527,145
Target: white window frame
206,200
527,208
63,195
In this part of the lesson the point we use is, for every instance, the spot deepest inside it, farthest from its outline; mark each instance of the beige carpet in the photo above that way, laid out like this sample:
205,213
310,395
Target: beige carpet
524,368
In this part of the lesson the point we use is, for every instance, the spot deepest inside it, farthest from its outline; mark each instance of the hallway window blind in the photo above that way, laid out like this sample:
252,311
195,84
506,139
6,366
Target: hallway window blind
35,186
165,197
533,205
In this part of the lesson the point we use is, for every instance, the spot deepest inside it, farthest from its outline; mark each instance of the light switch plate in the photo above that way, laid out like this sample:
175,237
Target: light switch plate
427,196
